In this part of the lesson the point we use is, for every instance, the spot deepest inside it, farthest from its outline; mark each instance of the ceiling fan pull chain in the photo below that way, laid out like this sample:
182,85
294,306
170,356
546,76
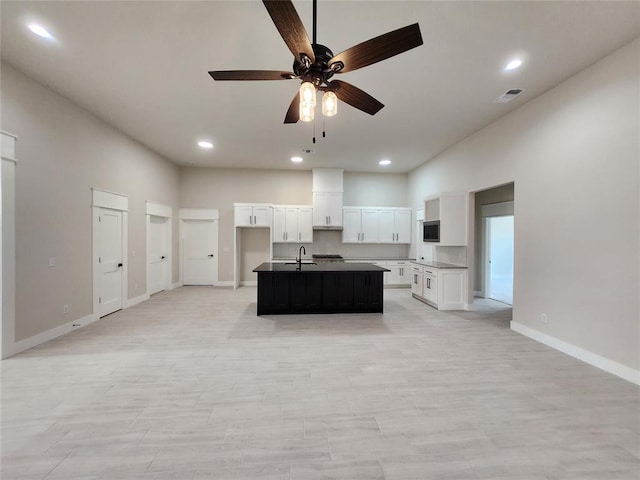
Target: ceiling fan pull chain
324,133
314,130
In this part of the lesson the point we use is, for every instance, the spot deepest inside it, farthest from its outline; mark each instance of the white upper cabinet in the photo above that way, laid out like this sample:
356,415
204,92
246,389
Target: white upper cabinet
361,225
395,225
327,209
376,225
251,215
292,224
327,197
451,209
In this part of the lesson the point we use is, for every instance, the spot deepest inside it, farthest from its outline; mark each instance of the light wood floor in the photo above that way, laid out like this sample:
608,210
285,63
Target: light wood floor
192,385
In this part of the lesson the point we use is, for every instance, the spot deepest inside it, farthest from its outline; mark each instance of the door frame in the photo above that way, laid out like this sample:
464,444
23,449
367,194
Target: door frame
197,214
501,209
103,199
164,211
8,166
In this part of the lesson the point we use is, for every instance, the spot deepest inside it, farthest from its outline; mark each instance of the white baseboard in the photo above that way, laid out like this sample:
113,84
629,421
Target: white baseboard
586,356
136,300
31,342
175,285
60,330
226,283
249,283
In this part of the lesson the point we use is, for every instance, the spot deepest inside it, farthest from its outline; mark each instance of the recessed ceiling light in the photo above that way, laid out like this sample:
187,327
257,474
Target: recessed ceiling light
205,144
41,32
296,159
384,163
513,64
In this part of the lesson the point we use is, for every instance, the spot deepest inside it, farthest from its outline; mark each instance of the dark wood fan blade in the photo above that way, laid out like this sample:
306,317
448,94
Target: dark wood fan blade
355,97
291,29
251,75
293,114
379,48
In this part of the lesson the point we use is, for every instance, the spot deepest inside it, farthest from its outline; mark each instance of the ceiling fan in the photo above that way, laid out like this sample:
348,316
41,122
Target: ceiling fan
316,64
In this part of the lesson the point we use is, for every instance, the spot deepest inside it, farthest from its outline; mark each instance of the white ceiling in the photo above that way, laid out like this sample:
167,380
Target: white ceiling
142,66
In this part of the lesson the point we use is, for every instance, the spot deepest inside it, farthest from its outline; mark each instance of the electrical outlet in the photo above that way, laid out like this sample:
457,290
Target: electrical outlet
544,318
52,261
65,309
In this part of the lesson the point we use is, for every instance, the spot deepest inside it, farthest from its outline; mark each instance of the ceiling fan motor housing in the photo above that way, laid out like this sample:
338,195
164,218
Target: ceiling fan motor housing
319,71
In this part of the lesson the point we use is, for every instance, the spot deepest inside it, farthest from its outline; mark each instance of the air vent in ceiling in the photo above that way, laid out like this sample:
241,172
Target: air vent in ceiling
509,95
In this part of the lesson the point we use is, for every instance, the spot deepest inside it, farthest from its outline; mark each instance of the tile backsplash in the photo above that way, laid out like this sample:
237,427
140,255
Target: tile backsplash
330,241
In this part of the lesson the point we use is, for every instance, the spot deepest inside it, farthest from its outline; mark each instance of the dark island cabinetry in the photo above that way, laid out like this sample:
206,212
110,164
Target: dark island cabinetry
341,288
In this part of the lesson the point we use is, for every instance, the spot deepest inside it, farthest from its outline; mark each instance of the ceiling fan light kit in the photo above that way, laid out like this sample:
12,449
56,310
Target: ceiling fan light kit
315,64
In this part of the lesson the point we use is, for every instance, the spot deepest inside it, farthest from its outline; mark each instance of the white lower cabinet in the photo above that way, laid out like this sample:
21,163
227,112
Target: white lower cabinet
442,288
400,274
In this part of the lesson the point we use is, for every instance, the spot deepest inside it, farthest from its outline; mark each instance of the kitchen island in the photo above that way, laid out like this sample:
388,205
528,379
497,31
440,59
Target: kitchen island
320,288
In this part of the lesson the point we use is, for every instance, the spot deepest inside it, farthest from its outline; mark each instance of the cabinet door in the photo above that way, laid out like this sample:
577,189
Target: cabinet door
351,229
417,279
335,209
370,226
321,207
430,287
394,276
305,225
406,273
279,231
291,225
403,226
273,292
337,291
261,216
387,226
367,291
243,216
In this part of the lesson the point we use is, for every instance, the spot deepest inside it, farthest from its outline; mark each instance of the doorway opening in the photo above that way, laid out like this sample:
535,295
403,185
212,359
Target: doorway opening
494,246
499,258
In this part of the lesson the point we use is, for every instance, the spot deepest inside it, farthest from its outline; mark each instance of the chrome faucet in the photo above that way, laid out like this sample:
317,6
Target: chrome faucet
299,259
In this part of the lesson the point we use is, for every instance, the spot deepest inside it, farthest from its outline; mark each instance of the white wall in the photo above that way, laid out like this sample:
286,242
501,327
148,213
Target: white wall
63,152
573,153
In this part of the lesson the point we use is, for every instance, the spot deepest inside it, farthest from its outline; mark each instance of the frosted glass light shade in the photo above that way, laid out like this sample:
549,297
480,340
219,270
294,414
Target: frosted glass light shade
306,112
329,104
308,94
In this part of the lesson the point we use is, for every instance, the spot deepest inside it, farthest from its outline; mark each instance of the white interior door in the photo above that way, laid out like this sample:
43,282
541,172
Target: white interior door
110,261
200,245
499,241
157,255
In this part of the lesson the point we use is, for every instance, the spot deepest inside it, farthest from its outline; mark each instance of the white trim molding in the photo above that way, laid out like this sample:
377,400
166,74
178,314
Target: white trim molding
615,368
112,200
8,146
159,209
43,337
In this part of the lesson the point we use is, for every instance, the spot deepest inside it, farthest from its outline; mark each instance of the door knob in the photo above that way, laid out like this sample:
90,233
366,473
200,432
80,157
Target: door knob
119,265
211,255
162,257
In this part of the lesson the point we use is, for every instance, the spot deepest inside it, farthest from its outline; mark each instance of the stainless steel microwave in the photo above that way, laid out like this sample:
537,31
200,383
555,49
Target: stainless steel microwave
431,231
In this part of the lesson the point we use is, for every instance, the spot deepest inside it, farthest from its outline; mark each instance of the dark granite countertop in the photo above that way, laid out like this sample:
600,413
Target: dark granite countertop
320,267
